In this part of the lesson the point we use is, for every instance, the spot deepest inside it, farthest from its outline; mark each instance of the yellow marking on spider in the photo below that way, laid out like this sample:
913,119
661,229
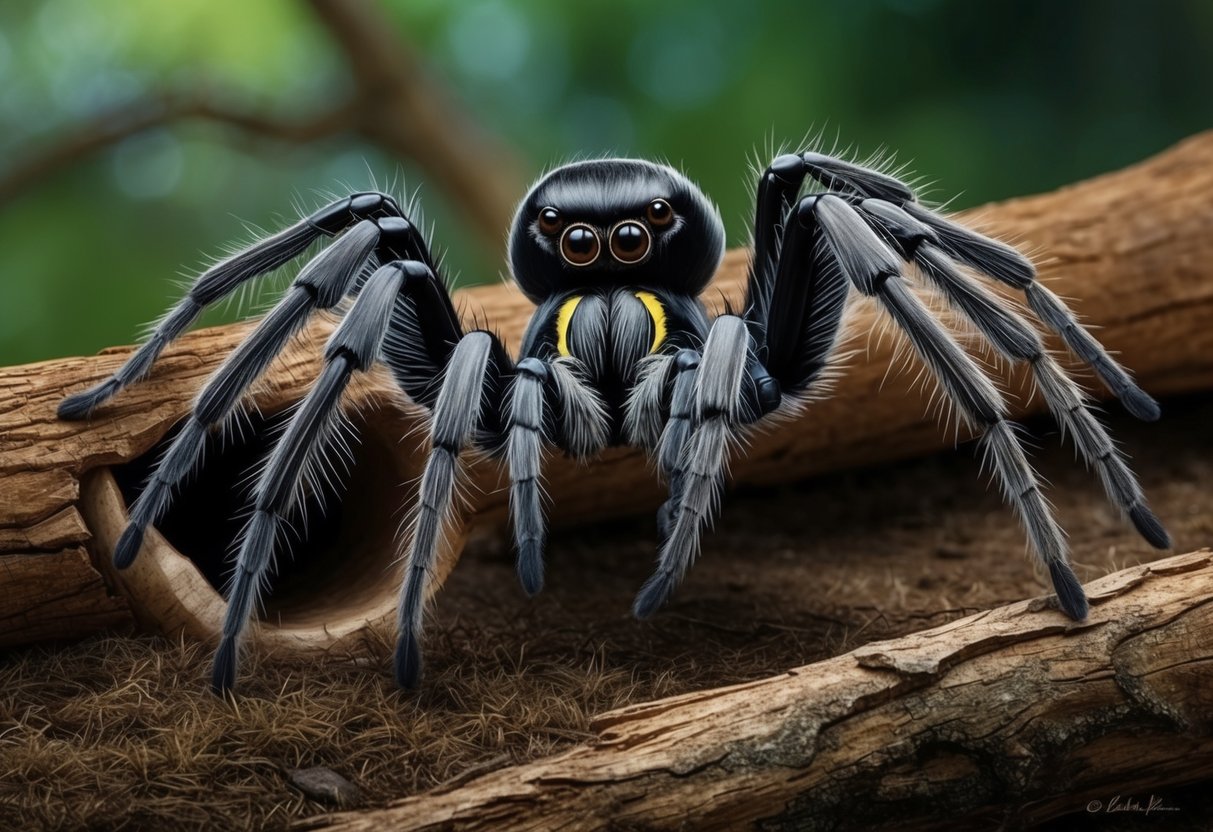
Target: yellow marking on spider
657,313
563,318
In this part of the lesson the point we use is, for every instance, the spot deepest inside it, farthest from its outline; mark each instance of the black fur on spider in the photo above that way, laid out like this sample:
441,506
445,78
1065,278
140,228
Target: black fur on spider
621,350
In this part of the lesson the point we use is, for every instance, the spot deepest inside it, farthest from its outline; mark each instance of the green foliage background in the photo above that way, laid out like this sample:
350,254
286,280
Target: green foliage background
987,100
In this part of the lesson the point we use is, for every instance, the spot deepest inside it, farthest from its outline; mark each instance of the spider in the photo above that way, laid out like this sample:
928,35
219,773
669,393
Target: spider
615,254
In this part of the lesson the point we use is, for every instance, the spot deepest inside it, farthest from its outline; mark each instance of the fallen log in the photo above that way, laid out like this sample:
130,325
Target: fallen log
1001,719
1133,247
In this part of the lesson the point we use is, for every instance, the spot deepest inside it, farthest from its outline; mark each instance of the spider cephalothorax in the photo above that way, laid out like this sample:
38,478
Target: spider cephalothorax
614,222
620,350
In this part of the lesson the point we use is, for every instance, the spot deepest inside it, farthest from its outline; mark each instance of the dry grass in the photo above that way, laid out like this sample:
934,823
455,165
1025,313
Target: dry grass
118,733
121,733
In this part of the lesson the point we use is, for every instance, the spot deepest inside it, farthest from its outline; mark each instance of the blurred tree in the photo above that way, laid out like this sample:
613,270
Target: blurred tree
393,102
287,98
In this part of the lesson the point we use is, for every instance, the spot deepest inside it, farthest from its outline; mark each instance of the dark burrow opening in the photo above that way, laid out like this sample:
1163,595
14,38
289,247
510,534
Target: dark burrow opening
340,551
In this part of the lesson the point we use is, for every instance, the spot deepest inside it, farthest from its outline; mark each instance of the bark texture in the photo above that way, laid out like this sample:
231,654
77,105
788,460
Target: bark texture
1132,248
1009,716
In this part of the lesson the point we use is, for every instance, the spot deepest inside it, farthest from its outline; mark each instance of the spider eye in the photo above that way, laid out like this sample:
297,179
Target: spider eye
659,214
550,221
630,242
579,245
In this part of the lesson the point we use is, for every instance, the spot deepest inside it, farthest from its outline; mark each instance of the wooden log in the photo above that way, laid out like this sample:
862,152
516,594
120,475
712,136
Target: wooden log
1001,719
1133,246
57,595
61,497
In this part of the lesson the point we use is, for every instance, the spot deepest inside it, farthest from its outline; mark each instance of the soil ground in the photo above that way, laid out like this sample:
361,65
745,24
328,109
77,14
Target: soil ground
120,732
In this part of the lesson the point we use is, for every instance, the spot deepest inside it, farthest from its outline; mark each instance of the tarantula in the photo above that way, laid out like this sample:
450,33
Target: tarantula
615,254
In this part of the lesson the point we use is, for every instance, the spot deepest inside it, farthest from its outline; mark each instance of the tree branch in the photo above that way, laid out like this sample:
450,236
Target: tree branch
396,104
410,112
160,110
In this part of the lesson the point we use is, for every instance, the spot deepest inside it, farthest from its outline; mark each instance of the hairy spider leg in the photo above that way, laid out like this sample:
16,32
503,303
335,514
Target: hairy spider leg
779,187
1014,338
225,277
932,242
354,346
983,254
321,285
455,419
796,295
875,270
550,401
1004,264
803,297
527,429
718,415
671,448
465,381
793,310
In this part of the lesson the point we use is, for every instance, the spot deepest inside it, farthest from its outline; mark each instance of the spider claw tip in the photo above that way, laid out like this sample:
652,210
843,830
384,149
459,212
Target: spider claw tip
223,676
530,568
1150,527
408,660
653,595
128,546
81,405
1070,594
1141,404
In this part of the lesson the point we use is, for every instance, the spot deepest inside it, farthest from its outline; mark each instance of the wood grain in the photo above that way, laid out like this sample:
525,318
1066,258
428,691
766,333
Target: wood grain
1010,716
